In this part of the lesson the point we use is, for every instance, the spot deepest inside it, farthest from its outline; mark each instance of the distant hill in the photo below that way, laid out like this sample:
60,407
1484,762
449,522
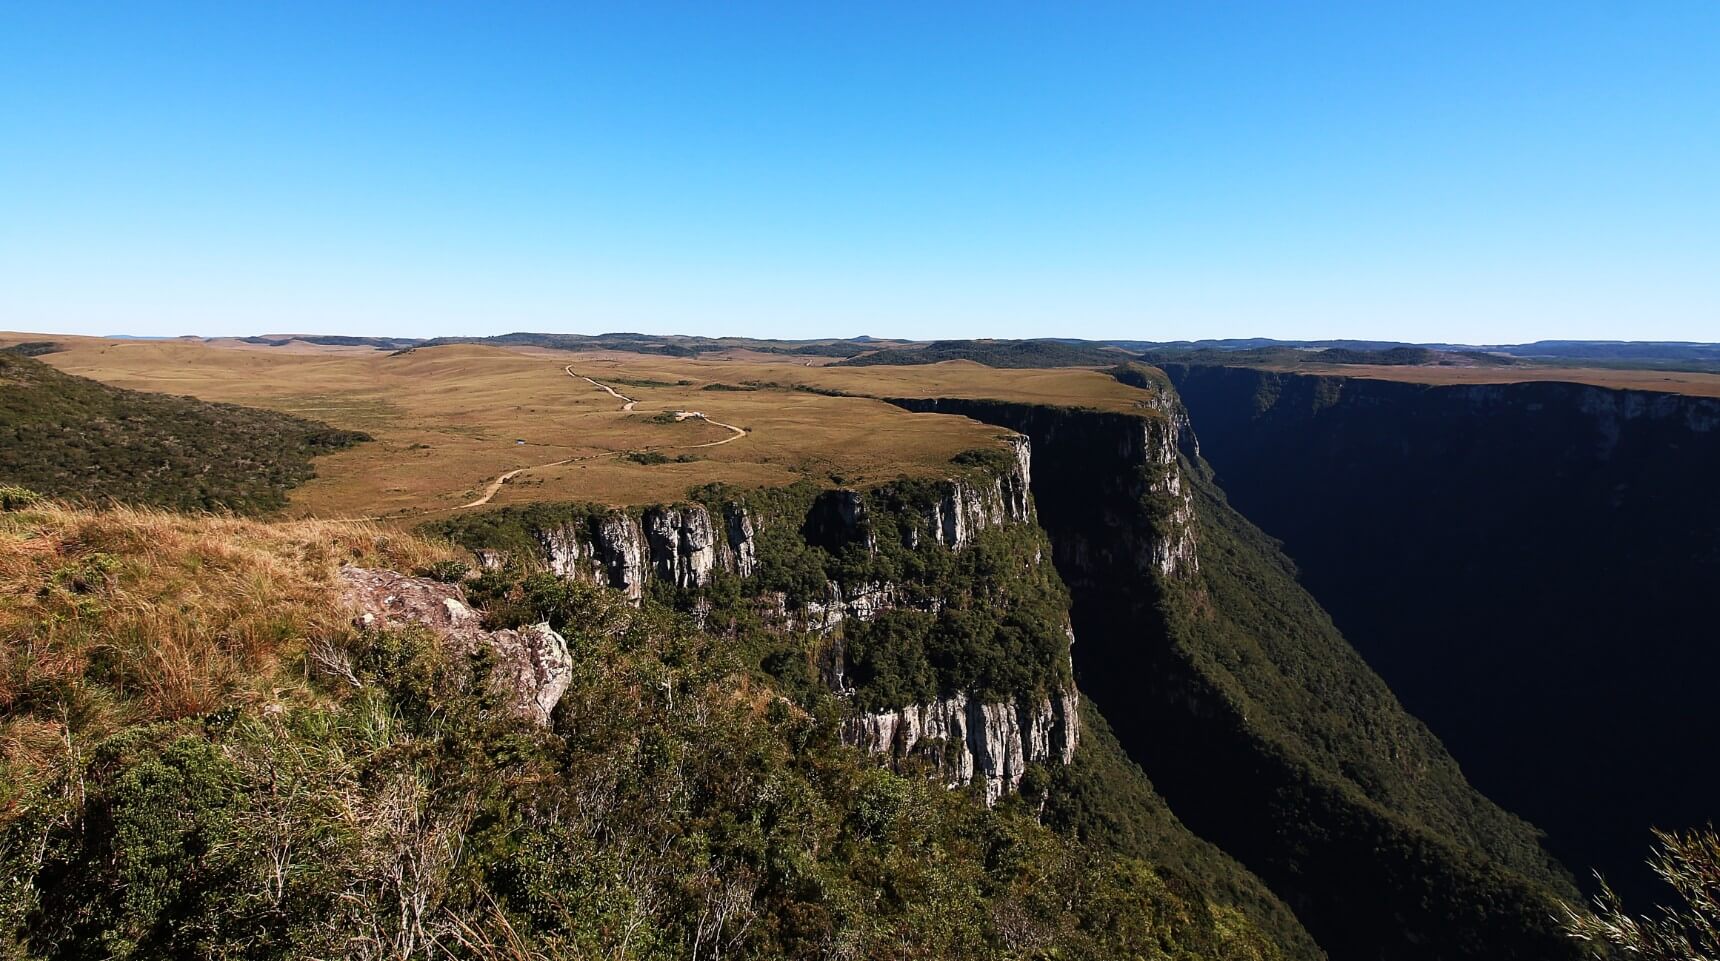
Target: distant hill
670,346
1666,355
79,440
994,353
334,340
1650,355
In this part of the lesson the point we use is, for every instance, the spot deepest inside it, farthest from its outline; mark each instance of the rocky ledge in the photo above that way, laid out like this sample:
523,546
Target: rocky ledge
967,740
678,544
533,666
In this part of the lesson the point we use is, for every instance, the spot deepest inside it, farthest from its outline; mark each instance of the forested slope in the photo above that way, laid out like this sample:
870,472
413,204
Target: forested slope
74,438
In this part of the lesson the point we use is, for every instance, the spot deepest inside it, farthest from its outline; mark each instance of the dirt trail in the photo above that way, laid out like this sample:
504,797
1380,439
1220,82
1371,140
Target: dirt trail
736,432
628,403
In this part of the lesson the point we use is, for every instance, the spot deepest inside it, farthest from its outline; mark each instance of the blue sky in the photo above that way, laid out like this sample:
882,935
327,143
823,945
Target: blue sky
1479,172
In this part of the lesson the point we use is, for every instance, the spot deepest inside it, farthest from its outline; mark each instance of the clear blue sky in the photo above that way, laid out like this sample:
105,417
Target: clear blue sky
1483,172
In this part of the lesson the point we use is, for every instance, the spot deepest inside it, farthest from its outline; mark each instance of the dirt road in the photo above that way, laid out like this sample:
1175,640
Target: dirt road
627,404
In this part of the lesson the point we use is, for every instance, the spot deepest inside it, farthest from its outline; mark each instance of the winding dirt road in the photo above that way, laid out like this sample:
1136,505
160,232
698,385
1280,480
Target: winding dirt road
627,404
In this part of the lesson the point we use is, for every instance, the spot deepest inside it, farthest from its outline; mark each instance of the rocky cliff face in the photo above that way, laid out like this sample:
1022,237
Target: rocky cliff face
739,550
966,741
682,544
1579,527
899,529
968,505
1141,464
677,544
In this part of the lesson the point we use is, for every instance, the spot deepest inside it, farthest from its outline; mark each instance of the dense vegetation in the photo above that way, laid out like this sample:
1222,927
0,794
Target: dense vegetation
74,438
1105,800
363,794
1579,529
993,353
985,620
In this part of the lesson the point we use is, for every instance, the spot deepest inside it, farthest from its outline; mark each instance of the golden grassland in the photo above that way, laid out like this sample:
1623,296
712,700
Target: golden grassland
452,422
176,614
449,421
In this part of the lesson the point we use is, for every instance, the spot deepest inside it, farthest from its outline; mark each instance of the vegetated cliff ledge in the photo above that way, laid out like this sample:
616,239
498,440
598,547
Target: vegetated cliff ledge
927,608
1265,732
1530,566
204,759
925,604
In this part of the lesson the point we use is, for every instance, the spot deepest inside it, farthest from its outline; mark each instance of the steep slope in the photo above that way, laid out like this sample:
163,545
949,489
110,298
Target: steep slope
1529,566
70,437
362,782
925,614
1263,730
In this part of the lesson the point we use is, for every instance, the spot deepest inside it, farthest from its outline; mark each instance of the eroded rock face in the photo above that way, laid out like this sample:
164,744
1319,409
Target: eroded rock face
533,666
612,553
969,506
683,545
1175,554
862,602
968,741
679,544
740,554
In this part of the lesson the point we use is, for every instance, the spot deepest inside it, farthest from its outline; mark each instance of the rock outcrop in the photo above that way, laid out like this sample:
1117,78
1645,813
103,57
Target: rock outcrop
683,544
859,602
532,665
970,505
611,552
970,741
739,553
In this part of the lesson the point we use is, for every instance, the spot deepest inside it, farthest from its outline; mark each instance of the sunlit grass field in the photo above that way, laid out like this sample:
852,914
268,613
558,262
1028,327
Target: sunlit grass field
448,421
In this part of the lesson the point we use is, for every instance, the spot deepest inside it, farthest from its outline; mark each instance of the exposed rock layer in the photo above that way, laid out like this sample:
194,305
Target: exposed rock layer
967,741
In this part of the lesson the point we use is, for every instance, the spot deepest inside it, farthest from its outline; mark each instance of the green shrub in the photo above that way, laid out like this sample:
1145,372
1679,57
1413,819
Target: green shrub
13,497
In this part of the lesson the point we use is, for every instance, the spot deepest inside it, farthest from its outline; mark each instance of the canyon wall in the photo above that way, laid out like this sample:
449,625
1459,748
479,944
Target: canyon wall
1260,726
1530,566
859,573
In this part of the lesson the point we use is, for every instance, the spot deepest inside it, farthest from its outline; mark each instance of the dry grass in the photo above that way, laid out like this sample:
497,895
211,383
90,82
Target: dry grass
447,419
121,616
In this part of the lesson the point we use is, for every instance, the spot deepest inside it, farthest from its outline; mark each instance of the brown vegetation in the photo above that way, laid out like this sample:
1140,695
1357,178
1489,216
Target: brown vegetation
120,616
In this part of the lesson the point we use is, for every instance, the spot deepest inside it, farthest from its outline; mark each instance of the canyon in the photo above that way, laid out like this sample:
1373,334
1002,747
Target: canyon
1529,566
